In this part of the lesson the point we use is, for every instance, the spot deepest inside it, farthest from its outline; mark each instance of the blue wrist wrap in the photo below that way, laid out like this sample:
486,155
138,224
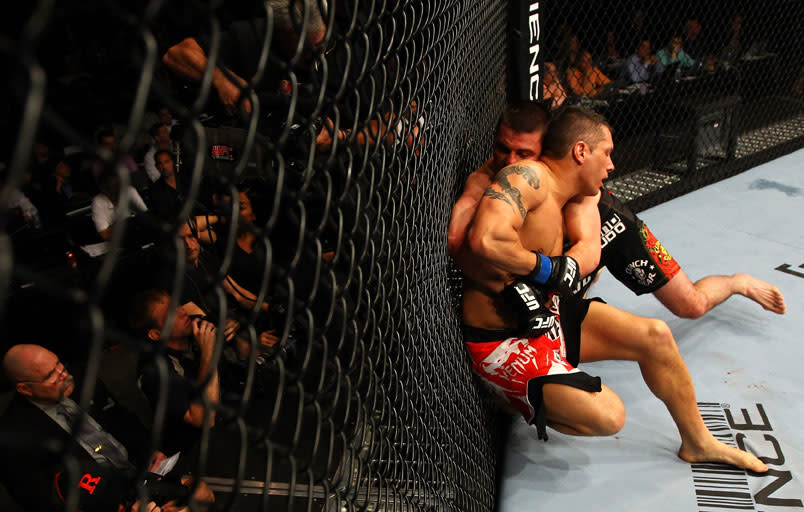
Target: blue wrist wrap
545,268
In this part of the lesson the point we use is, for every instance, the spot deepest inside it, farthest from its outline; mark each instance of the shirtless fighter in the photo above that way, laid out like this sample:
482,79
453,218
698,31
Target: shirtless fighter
626,240
525,344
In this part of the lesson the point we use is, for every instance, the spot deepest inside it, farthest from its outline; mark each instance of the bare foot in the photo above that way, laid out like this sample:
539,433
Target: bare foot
764,294
719,452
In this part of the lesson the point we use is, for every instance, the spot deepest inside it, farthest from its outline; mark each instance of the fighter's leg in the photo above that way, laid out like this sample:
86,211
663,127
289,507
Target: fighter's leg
578,412
692,300
610,333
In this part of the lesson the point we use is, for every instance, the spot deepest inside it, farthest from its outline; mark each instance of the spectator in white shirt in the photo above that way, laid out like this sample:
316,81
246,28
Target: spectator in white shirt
160,134
105,203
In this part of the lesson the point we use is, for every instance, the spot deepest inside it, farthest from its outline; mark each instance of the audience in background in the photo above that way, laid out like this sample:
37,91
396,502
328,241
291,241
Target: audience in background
693,40
636,30
586,79
642,65
107,201
160,137
674,53
733,48
553,90
169,193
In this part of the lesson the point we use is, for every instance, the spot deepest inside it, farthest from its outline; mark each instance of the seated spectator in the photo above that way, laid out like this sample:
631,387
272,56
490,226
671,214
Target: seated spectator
610,52
733,48
553,89
249,257
202,266
169,193
199,298
642,65
109,447
586,79
636,30
693,40
41,166
674,53
698,46
160,141
166,117
59,191
569,50
198,293
107,140
22,211
106,202
189,347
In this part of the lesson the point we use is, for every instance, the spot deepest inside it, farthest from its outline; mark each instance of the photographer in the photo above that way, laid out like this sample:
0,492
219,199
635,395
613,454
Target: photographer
192,383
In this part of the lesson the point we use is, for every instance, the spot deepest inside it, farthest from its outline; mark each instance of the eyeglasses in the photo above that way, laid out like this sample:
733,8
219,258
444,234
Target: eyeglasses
52,375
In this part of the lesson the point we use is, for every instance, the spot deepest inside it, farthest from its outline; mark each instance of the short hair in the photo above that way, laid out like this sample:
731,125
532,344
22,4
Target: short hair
167,152
140,317
525,117
570,125
287,20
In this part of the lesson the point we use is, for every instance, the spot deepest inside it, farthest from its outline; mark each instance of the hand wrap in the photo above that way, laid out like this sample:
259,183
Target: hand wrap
559,274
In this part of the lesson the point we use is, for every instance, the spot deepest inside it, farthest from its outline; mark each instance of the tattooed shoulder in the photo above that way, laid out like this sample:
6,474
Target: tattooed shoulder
528,172
509,193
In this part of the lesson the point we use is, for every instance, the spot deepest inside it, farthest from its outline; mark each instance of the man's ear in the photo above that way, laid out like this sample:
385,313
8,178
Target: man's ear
153,334
23,389
579,151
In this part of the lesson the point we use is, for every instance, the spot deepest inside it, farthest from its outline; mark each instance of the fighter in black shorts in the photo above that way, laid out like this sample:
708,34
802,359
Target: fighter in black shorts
629,250
637,259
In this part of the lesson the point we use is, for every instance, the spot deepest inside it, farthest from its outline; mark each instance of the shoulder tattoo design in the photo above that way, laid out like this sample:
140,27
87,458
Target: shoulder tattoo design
511,194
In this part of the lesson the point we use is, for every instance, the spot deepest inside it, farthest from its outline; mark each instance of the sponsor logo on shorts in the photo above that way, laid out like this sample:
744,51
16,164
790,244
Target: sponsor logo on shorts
610,229
723,488
643,272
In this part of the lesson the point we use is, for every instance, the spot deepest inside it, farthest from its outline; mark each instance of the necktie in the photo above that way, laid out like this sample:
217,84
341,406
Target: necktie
99,442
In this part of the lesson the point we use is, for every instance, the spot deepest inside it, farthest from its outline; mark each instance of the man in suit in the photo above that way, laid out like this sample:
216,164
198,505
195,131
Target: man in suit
37,442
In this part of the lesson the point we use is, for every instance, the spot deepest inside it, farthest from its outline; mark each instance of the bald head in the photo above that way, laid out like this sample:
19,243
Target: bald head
37,373
19,359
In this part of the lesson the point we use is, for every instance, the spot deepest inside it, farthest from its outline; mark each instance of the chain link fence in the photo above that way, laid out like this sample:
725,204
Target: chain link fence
316,152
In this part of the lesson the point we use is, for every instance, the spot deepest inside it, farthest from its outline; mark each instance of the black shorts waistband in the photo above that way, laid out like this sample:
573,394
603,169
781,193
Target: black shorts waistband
478,335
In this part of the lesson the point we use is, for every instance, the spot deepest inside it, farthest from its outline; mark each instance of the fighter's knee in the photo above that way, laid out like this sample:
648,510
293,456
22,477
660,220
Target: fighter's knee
660,336
612,421
692,308
609,416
